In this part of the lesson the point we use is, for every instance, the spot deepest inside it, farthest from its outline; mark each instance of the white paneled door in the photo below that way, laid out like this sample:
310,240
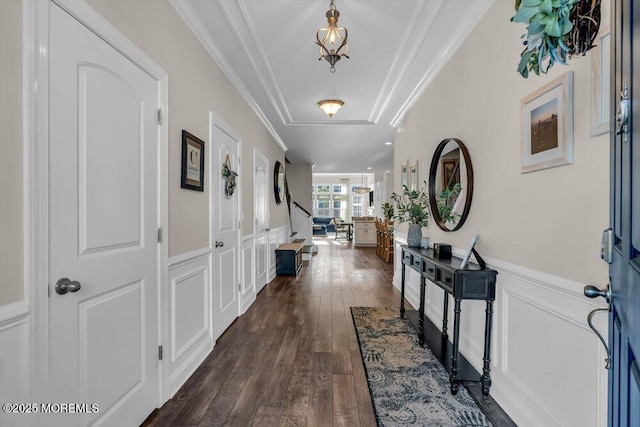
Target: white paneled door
225,228
103,207
261,203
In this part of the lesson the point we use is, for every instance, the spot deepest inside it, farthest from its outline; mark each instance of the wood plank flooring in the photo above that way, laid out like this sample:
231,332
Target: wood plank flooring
292,359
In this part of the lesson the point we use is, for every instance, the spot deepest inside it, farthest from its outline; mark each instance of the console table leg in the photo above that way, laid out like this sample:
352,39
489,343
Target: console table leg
445,316
455,356
486,368
402,294
421,312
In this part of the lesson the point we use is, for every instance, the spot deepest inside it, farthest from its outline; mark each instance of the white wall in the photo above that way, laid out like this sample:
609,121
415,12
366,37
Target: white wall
540,230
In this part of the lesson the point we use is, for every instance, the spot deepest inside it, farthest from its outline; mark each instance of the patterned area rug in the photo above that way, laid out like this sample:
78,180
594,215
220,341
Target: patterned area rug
408,384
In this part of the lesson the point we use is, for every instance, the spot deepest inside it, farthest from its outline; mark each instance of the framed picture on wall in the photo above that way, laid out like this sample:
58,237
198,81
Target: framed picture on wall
404,177
547,125
192,176
600,78
413,176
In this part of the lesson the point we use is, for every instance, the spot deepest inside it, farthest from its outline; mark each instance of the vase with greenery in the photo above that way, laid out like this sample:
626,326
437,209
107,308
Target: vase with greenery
556,30
412,206
387,211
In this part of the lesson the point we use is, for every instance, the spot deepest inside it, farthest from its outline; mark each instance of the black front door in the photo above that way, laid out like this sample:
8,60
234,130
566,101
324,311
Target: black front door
624,320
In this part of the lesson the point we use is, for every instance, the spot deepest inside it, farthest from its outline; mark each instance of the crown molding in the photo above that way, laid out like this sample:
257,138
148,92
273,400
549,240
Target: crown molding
475,12
195,24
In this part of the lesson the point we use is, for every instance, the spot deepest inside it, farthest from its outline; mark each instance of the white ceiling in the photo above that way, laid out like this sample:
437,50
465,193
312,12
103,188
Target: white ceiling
396,47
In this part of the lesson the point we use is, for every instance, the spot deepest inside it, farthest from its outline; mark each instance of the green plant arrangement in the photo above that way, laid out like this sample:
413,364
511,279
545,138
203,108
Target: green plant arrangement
412,206
387,210
446,201
556,30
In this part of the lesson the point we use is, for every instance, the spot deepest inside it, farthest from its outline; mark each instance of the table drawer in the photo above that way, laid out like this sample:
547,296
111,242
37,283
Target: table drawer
429,270
445,278
406,257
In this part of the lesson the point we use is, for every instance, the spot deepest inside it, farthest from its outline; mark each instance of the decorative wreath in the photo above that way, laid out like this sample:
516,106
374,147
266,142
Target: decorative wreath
229,178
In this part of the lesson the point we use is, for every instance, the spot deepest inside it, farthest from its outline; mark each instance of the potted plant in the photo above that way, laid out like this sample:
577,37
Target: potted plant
387,210
556,30
412,207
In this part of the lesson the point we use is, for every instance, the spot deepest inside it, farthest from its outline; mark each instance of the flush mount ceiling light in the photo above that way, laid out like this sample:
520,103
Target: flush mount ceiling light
332,36
362,189
330,106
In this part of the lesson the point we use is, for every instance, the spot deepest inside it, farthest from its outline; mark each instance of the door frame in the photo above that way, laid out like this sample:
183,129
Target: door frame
257,154
36,178
215,179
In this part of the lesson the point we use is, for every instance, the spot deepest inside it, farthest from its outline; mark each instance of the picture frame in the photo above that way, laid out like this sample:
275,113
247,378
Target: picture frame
468,252
192,176
547,125
413,176
450,172
600,78
404,177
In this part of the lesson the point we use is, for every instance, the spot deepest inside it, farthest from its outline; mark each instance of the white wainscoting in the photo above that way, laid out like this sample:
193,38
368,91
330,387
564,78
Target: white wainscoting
14,361
277,236
547,365
190,316
248,279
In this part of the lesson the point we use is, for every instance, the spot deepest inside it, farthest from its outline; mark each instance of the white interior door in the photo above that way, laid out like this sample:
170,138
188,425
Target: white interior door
103,207
225,229
261,203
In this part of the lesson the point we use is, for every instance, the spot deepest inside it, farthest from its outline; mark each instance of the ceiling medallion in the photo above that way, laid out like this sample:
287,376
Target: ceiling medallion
330,106
333,34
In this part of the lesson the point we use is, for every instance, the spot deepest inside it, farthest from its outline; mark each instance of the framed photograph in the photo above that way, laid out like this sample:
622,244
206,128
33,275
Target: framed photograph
547,125
450,173
600,78
413,176
404,177
469,251
192,162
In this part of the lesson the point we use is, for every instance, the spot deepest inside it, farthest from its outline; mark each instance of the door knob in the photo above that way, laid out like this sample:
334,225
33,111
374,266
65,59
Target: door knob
593,292
65,285
219,244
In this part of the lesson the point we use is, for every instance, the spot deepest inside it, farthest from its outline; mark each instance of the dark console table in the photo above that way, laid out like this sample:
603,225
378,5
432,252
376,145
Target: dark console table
474,282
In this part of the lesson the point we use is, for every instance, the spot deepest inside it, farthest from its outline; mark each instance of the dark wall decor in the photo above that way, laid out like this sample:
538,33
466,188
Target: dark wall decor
448,182
229,176
192,162
279,182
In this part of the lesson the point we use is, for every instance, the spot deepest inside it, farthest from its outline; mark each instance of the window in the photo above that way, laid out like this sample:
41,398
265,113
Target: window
330,200
356,201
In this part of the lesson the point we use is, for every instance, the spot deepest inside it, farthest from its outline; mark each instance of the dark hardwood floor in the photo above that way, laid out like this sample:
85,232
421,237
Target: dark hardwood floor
292,359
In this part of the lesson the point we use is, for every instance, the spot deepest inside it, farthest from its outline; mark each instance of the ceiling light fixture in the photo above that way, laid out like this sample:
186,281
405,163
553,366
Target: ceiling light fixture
362,189
333,34
330,106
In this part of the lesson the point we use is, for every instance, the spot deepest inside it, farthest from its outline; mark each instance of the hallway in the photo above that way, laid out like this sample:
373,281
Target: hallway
293,357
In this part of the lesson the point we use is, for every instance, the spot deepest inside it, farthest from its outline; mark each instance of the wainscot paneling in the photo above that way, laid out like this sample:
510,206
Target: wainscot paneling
547,365
14,361
248,292
190,322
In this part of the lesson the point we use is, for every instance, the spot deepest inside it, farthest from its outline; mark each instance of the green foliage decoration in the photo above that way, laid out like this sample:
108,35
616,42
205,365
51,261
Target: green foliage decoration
446,201
387,210
548,31
412,206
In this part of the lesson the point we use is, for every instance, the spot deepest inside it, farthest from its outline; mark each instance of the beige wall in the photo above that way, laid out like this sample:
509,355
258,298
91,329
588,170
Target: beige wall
11,240
196,86
548,220
299,181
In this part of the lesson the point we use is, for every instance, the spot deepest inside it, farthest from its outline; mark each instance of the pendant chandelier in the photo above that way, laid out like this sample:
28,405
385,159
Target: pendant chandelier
362,189
330,50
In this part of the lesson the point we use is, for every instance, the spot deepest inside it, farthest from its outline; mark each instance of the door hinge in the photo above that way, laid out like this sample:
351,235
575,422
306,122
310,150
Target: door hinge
160,116
159,235
240,286
159,352
48,290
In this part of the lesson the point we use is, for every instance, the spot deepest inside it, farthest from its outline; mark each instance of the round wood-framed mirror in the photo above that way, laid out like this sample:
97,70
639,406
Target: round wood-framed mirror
278,182
450,184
